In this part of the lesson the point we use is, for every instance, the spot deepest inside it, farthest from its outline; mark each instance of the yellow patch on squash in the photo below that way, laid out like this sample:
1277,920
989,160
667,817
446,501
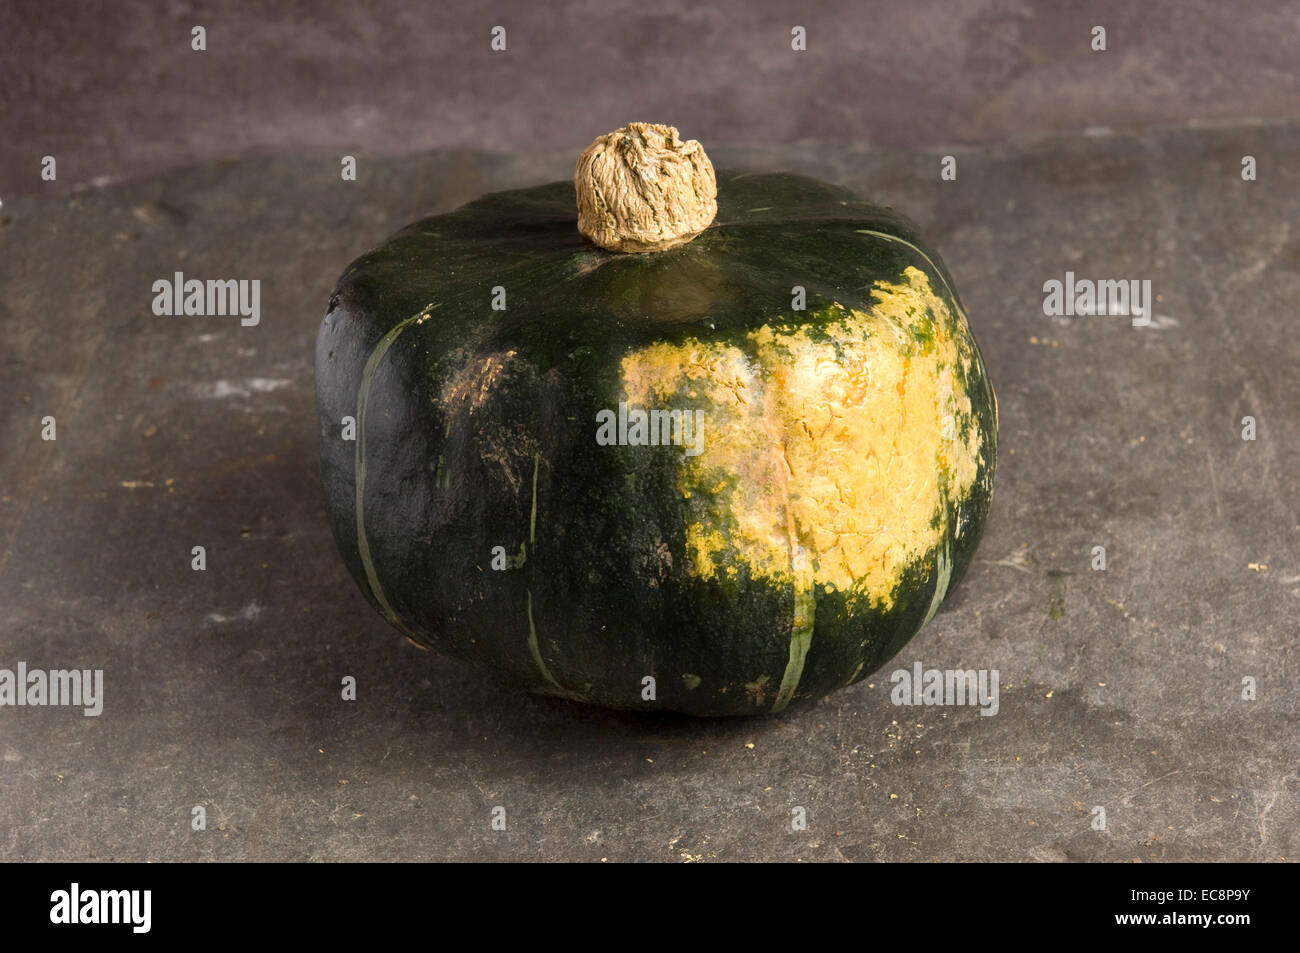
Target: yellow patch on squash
830,451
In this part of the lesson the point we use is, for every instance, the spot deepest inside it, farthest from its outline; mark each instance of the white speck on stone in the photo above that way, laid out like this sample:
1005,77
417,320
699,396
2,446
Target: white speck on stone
244,388
250,611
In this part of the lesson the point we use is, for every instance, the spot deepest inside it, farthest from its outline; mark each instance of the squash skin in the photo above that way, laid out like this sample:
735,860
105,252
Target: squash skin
592,609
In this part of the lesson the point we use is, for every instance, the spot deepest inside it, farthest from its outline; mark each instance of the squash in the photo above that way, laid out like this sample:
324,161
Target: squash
736,467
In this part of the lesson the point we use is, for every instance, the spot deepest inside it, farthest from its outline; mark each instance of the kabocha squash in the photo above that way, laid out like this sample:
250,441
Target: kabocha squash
745,459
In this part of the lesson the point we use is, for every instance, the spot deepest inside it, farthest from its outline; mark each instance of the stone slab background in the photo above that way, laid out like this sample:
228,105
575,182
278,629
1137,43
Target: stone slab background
113,90
1120,689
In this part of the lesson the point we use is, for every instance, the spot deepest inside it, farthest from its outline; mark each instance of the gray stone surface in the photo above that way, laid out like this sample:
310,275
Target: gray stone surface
1120,689
114,90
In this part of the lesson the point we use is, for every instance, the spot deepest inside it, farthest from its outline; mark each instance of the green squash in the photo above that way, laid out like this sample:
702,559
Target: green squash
817,482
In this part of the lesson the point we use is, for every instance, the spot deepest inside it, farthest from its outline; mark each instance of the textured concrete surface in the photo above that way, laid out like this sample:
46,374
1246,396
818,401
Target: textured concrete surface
1120,689
114,90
